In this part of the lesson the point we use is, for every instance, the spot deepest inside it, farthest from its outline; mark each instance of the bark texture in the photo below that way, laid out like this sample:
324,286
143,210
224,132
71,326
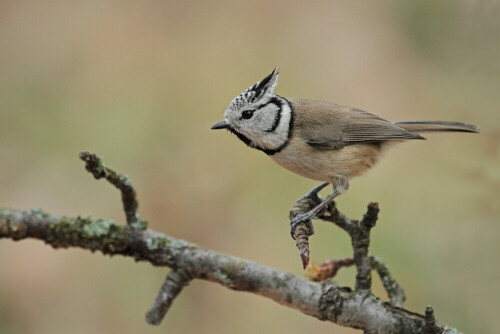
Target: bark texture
326,301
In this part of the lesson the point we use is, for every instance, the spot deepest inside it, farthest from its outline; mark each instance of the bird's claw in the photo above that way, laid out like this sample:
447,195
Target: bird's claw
299,219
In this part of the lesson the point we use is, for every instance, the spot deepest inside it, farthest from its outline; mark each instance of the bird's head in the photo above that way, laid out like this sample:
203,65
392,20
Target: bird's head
259,117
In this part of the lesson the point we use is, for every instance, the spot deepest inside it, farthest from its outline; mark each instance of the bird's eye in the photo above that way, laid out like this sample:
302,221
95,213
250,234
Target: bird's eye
247,114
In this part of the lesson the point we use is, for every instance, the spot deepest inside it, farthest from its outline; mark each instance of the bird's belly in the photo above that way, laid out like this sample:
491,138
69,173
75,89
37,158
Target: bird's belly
327,165
304,165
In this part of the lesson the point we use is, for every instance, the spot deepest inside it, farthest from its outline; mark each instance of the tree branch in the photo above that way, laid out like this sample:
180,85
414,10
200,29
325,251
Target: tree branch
329,269
325,301
358,230
175,281
95,166
394,290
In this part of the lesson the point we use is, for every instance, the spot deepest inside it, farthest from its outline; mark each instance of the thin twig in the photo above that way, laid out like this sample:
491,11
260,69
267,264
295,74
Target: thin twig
360,241
333,215
95,166
328,269
430,321
175,281
394,290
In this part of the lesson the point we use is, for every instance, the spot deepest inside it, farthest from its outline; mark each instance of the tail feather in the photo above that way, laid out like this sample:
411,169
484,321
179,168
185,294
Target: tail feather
436,126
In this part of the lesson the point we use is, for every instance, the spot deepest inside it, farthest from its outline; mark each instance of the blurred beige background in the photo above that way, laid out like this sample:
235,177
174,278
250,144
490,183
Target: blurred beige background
140,83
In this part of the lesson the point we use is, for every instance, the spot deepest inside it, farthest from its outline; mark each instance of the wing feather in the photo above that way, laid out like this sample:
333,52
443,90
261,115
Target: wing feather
331,126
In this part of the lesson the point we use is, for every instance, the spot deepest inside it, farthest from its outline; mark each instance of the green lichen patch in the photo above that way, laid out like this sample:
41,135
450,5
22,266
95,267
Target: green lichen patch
38,213
178,247
222,278
229,274
94,165
330,302
277,281
139,224
124,179
91,234
157,243
97,228
6,213
233,270
61,231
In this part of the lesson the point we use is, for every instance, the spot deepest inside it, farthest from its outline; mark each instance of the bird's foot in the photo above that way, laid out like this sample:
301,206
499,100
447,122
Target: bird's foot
299,219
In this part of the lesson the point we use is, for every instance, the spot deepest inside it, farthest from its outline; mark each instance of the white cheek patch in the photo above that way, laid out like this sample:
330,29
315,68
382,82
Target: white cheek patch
264,117
277,138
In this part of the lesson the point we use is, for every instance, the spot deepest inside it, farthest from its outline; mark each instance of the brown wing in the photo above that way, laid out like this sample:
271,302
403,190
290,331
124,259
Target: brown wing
328,126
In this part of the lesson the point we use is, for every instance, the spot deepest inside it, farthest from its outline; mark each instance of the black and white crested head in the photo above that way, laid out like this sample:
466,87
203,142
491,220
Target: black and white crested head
259,117
257,91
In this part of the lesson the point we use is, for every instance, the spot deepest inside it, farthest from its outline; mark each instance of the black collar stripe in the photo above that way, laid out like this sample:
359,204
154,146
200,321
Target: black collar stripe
277,118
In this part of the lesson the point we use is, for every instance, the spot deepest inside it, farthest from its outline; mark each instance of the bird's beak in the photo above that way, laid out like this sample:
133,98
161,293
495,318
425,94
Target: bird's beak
220,125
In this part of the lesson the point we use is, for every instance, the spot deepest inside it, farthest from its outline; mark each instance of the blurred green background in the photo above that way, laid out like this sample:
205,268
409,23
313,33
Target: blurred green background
141,82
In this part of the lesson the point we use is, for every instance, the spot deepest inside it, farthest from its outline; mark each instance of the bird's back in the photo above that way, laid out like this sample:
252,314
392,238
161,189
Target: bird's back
328,125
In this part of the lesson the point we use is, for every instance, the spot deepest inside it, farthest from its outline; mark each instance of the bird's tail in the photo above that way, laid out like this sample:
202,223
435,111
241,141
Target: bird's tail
436,126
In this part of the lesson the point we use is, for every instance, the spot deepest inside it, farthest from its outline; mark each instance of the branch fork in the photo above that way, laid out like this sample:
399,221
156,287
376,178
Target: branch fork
325,301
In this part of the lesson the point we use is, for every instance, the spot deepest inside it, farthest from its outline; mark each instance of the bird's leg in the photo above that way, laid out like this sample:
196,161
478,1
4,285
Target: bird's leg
338,188
313,193
306,217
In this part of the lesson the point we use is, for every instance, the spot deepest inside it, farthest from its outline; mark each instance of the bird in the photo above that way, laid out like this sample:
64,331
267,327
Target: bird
319,140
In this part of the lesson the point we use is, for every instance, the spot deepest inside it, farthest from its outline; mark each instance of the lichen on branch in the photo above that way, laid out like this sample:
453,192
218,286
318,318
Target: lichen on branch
325,301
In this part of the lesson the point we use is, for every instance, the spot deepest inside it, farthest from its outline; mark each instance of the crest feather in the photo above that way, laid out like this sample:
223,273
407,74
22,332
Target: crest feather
265,86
